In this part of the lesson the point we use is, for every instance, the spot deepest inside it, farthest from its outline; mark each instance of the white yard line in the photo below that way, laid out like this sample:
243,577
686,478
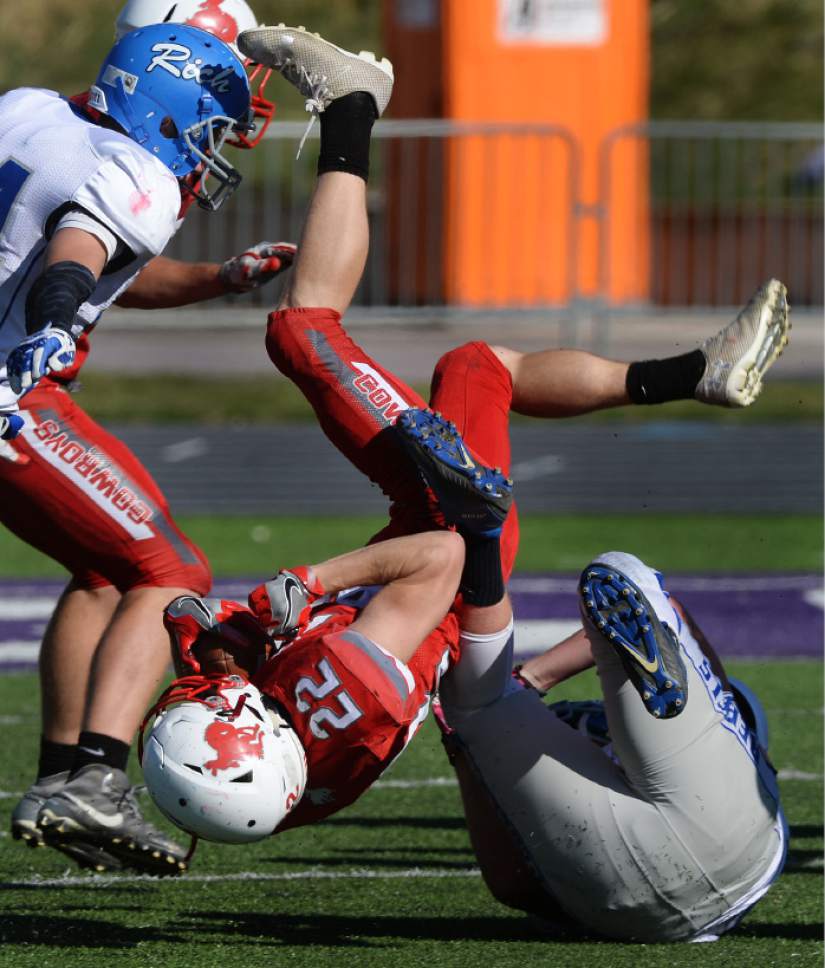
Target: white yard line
315,874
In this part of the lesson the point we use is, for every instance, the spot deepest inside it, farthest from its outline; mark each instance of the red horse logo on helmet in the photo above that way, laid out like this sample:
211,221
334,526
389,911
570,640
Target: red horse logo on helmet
211,17
232,744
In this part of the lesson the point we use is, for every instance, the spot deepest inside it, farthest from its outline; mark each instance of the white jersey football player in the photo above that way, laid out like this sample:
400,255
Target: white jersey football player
83,207
657,817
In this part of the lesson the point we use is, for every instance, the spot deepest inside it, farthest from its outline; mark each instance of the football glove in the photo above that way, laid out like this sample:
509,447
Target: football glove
48,351
10,425
212,635
284,603
257,266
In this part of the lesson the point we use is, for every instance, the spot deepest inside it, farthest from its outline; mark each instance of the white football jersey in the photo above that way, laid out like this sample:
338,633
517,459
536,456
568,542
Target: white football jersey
50,159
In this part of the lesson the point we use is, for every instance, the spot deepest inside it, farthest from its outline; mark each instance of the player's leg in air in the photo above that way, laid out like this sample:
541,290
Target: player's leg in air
357,401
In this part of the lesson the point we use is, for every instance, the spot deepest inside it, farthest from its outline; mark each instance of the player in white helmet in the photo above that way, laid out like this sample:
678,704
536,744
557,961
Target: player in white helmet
67,487
223,18
224,763
355,693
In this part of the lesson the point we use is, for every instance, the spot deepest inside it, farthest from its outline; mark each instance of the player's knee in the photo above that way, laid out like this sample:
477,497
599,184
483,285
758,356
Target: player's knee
447,553
509,359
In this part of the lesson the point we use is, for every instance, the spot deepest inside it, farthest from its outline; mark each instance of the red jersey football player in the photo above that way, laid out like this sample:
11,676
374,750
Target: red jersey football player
76,493
303,732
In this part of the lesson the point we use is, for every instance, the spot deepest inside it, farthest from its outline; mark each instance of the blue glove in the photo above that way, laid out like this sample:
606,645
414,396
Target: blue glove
10,425
47,351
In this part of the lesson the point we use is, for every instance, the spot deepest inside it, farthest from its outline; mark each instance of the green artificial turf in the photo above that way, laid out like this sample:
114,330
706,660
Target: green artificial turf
245,546
388,882
129,398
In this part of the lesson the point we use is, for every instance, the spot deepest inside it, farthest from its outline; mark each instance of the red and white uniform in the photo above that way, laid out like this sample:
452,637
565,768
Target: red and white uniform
79,495
356,401
353,705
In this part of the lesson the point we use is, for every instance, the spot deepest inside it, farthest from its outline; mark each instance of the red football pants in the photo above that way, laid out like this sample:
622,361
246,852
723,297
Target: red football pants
81,496
356,401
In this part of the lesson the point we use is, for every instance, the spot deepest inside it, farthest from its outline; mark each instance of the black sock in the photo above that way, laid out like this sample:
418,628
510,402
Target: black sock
55,757
346,126
657,381
99,748
482,582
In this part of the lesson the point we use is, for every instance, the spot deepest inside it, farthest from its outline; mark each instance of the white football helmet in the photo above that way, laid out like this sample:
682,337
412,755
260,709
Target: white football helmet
223,18
220,761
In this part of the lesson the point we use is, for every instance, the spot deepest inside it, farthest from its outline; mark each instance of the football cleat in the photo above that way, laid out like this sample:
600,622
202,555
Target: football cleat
649,649
322,72
24,815
741,354
586,716
24,826
474,498
98,806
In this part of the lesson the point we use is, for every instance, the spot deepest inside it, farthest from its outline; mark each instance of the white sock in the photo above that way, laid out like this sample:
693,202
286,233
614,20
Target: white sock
483,671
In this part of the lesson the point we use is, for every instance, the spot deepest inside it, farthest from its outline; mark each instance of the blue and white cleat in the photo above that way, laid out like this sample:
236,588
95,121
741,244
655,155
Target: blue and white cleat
474,498
648,648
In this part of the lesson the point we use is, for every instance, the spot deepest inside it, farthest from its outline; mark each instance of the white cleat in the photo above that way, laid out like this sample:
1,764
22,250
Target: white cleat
321,71
741,354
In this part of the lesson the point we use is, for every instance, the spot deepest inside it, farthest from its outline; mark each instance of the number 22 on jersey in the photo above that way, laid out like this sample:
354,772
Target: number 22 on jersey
325,715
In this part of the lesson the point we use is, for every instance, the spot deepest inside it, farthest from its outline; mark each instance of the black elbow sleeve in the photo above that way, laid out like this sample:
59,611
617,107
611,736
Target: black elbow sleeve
57,295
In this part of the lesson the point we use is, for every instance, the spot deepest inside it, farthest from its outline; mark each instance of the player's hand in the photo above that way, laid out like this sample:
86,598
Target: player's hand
284,603
257,266
214,636
47,351
10,425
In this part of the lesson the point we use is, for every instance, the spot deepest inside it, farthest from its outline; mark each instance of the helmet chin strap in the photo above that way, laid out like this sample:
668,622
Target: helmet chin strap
137,131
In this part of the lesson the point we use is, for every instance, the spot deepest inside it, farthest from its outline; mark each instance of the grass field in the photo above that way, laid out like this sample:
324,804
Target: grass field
130,398
388,882
249,546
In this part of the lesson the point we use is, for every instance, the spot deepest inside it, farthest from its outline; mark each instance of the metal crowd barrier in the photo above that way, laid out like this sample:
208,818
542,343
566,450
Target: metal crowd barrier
725,206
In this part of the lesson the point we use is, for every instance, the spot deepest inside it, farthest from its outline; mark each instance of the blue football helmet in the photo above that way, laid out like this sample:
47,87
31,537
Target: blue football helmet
178,92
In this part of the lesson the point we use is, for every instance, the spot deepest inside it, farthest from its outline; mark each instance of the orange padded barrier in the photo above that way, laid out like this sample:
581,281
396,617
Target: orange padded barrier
520,218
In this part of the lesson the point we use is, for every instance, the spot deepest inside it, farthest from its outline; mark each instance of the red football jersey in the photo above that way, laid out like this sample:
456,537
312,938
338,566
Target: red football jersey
353,705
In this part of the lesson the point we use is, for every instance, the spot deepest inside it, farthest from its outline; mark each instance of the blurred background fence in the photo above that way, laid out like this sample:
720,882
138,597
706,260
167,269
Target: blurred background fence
696,214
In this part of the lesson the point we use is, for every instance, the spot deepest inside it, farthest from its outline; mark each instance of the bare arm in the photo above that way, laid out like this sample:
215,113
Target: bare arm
166,283
565,660
420,575
75,245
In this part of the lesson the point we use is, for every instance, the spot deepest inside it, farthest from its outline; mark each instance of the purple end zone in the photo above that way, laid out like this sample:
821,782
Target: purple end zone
759,616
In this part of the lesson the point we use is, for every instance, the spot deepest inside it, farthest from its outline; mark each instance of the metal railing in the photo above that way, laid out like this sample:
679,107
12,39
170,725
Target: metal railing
729,204
722,207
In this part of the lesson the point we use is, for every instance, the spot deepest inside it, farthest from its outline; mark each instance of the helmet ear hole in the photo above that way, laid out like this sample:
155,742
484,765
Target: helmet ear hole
169,129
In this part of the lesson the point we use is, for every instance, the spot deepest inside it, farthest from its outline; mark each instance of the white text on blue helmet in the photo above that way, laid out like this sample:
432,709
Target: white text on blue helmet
171,56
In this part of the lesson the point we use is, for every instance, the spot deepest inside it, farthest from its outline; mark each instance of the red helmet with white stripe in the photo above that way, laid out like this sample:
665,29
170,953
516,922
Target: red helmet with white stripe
223,18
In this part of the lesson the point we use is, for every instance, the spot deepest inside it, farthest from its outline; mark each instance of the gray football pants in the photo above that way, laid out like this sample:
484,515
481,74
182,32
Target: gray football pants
674,842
